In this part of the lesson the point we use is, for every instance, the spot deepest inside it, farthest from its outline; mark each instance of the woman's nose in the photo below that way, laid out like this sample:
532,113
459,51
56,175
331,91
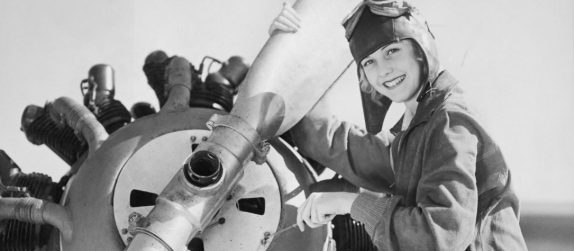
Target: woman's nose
384,70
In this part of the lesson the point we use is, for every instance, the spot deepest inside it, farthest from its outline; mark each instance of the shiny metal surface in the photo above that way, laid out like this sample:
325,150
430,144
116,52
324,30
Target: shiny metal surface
100,84
90,195
146,154
269,102
145,171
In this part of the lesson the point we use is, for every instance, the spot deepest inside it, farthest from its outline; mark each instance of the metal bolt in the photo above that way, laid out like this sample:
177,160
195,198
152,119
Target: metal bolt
134,218
221,221
130,239
124,231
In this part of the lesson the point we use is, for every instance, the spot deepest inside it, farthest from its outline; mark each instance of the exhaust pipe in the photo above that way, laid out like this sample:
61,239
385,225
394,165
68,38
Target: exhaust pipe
178,86
37,211
64,110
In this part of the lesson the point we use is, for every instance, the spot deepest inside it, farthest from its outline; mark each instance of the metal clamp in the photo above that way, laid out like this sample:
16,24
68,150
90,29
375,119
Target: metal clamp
151,234
260,152
260,147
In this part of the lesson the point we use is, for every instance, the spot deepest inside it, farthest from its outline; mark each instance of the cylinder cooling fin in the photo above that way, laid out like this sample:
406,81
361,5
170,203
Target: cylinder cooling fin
21,236
61,139
113,115
98,91
350,235
212,95
41,129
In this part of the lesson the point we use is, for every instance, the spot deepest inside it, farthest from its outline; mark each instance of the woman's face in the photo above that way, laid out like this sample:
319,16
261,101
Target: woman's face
394,71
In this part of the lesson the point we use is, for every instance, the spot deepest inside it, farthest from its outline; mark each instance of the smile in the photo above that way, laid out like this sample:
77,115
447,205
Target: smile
395,82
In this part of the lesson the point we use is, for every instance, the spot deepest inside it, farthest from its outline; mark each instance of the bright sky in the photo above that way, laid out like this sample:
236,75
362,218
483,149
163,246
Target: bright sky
514,58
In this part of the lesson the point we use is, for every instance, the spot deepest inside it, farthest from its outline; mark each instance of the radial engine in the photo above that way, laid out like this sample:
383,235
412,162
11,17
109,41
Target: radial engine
120,161
202,172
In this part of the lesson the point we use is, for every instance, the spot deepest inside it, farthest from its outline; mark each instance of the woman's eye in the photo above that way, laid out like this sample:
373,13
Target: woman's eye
367,62
392,51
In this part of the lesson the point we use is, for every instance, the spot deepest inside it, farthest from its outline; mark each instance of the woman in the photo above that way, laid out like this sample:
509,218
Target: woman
447,182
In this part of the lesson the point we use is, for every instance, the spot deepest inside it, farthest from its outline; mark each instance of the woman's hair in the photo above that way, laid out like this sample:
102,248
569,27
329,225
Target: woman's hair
368,88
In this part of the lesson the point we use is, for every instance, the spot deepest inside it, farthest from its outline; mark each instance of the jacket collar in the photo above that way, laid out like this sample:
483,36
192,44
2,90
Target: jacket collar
431,97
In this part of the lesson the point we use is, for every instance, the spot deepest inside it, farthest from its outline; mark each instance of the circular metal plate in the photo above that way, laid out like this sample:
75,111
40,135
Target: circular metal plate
253,209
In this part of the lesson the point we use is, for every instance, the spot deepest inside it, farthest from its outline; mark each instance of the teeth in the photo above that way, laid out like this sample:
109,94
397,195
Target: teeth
394,82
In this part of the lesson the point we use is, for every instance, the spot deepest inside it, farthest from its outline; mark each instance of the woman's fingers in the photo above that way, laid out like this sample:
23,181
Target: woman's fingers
283,24
320,208
289,8
291,14
291,24
300,217
307,211
325,218
279,26
301,212
314,214
287,20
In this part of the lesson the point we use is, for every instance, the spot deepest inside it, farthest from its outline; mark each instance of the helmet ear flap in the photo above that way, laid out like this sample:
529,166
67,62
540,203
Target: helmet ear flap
375,107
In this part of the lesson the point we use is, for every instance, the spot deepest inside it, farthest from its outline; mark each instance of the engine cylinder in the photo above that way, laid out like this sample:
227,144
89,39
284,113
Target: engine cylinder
99,98
40,129
101,85
214,93
234,70
351,235
113,115
16,235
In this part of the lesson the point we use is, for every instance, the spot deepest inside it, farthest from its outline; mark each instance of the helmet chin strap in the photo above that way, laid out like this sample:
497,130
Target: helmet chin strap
424,90
427,88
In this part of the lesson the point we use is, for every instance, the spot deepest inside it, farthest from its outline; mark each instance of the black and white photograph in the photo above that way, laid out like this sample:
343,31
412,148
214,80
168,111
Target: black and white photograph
308,125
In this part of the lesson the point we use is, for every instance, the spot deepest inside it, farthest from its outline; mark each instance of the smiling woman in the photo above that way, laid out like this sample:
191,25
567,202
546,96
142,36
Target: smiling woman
394,71
438,170
48,53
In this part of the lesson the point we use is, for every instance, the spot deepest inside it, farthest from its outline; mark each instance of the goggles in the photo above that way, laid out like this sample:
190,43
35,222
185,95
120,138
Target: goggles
388,8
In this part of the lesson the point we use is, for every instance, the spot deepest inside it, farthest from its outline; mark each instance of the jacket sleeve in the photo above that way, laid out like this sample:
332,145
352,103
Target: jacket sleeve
361,158
446,201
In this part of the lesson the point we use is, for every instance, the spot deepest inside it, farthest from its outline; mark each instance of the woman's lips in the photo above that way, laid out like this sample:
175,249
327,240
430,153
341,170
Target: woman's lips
395,82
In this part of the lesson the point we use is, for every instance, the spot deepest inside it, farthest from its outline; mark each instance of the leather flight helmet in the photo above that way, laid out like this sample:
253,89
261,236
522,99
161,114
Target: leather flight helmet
377,23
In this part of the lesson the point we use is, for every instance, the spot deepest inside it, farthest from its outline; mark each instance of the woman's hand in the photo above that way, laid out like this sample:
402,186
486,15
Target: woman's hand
320,208
287,20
